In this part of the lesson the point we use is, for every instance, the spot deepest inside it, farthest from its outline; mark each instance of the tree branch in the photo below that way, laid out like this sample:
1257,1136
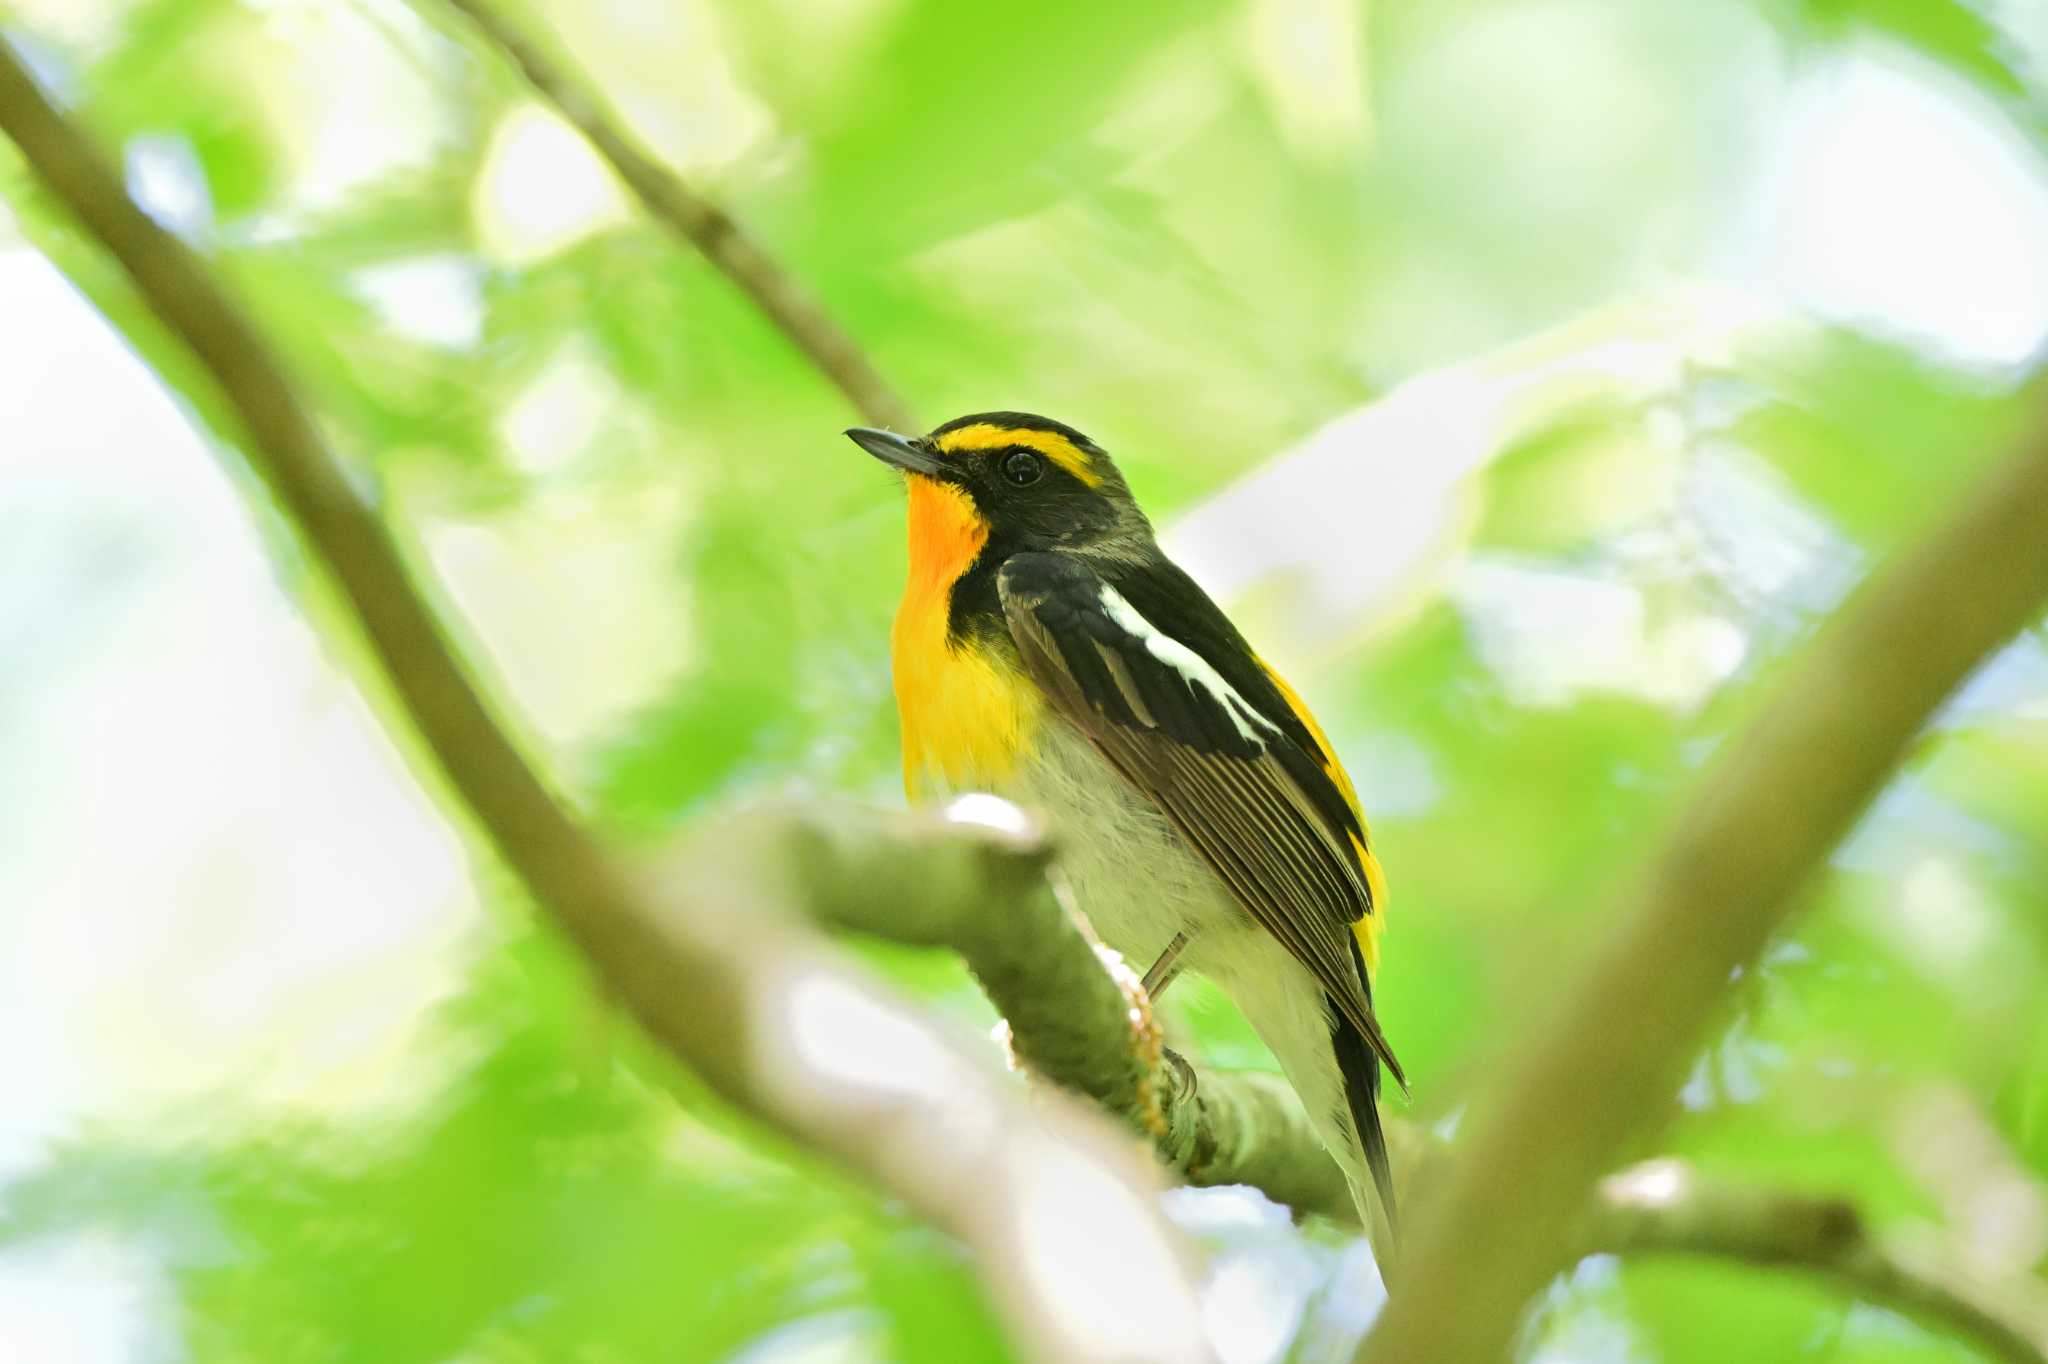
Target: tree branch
715,965
1080,1021
1076,1019
1666,1207
1605,1062
701,223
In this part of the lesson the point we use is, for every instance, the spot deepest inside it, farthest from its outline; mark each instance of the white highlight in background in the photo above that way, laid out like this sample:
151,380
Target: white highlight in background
542,189
1898,198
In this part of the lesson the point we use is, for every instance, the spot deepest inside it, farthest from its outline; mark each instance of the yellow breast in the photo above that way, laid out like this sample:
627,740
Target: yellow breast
967,715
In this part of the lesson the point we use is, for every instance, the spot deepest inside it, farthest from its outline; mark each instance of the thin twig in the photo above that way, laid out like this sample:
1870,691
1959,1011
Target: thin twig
717,966
1664,1207
700,222
1602,1067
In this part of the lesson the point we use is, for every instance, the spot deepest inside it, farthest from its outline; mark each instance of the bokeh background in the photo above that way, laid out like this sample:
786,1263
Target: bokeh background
1529,376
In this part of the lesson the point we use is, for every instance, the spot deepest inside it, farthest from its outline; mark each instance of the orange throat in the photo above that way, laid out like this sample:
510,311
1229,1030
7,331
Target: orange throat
967,714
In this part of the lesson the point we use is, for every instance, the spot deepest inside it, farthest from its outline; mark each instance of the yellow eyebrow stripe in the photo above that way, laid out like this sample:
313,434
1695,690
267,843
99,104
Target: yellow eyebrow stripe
1055,447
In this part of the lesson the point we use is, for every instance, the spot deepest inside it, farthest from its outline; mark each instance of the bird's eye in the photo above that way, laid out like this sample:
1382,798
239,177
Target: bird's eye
1023,467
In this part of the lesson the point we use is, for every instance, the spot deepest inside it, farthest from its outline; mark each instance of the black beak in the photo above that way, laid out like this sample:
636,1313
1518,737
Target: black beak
901,451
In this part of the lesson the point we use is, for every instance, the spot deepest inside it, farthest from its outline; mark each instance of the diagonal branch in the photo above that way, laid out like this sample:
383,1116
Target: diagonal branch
1728,875
700,222
718,966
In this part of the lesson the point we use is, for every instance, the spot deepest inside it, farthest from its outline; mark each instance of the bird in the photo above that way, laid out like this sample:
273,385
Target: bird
1046,650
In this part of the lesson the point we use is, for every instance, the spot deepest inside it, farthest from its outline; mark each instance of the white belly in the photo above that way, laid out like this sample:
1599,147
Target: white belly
1131,874
1139,884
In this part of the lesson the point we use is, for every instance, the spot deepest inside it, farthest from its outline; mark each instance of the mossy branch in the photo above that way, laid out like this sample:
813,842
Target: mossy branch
1081,1021
1077,1016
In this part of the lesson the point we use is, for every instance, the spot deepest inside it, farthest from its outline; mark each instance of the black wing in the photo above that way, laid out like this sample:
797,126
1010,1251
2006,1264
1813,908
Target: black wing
1218,759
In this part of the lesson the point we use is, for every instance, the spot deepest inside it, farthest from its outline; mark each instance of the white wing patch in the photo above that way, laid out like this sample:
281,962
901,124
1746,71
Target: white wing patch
1193,668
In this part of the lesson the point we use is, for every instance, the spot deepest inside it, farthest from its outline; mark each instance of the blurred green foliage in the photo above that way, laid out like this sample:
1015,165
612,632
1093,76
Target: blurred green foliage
1125,215
545,1205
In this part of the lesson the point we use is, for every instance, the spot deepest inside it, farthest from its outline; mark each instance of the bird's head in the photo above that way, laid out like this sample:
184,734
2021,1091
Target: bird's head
1030,483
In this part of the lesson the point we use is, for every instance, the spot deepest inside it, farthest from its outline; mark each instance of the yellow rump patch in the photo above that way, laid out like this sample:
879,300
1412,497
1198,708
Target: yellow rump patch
1051,444
1331,766
1367,929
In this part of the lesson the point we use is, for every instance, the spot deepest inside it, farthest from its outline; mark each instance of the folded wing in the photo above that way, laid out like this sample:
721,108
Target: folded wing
1216,757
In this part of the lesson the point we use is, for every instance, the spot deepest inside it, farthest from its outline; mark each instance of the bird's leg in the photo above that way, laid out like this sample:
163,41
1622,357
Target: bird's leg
1165,969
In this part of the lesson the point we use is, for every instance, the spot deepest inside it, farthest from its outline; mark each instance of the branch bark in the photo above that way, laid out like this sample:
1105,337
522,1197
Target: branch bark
1076,1019
701,223
716,965
1726,877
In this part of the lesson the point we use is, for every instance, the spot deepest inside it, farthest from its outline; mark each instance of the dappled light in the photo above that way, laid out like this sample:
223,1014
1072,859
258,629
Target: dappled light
1539,385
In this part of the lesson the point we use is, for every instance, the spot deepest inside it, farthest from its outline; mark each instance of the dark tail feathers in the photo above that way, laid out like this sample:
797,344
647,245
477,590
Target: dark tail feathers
1361,1072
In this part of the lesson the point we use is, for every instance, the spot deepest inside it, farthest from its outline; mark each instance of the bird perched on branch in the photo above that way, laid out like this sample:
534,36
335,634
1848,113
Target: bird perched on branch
1048,651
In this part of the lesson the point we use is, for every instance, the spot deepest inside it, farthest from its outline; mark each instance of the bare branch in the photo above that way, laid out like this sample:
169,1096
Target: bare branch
1605,1062
719,969
702,223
